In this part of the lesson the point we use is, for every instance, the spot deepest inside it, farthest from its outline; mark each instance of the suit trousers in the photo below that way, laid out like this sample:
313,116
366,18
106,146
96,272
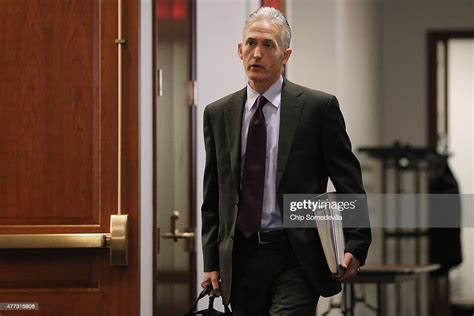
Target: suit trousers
267,280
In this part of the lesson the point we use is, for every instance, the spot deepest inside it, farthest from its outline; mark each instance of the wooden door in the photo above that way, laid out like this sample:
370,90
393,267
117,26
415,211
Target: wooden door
174,149
59,152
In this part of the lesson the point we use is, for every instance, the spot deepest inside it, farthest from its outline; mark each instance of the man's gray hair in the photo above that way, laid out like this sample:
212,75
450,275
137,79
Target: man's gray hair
276,17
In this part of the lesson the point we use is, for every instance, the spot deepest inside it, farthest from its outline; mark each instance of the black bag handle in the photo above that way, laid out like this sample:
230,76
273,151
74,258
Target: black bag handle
201,295
210,292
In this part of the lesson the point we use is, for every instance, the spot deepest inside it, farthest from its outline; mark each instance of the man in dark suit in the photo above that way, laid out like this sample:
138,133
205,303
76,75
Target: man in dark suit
269,139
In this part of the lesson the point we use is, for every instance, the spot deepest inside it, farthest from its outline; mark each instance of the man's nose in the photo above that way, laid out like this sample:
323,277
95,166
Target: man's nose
257,52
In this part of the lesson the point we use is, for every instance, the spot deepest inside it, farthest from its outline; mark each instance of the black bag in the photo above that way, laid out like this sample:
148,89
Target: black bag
445,243
210,311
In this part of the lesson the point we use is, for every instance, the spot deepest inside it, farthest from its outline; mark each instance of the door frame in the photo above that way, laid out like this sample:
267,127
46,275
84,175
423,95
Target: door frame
433,37
146,156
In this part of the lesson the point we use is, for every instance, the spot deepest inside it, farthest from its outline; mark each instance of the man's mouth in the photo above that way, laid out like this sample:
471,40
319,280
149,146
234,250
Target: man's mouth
255,66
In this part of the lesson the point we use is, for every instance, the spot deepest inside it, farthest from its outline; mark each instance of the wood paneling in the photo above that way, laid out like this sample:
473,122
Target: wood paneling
58,151
47,88
45,269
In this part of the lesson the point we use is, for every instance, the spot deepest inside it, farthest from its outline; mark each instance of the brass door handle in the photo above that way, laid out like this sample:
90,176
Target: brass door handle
179,235
116,241
175,234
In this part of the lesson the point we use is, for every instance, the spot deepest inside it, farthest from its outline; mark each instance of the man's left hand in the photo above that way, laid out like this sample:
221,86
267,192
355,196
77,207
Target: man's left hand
351,264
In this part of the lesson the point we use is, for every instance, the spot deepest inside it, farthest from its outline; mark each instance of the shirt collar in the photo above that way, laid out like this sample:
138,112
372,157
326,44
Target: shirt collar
273,94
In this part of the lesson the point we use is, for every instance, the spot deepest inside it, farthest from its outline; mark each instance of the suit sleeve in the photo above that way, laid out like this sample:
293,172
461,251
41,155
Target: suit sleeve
345,173
210,205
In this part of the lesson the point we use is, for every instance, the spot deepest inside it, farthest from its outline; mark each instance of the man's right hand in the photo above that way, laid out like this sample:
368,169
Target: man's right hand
212,278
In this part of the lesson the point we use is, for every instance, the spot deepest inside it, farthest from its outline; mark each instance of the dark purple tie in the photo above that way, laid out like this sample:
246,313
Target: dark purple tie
253,176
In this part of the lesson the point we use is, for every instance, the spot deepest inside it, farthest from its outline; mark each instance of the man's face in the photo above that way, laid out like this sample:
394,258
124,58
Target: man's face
262,53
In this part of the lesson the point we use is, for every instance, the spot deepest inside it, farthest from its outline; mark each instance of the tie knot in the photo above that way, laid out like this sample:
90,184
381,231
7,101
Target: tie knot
261,101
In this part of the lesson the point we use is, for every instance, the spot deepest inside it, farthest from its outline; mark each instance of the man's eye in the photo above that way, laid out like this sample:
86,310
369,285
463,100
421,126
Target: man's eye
269,45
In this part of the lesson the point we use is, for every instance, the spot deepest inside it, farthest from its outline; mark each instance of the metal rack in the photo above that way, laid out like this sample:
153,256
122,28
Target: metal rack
403,159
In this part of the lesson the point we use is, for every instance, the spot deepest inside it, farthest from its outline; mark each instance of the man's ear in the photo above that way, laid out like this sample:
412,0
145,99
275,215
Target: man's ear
239,51
286,55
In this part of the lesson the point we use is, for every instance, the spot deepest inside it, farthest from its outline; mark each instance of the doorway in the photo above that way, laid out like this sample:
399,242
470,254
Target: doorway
174,156
461,145
451,130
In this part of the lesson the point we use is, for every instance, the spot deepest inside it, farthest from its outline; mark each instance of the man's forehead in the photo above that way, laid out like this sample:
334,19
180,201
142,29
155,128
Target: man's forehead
265,29
262,36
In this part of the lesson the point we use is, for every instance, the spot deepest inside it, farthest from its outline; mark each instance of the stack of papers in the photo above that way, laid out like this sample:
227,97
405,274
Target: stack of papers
329,225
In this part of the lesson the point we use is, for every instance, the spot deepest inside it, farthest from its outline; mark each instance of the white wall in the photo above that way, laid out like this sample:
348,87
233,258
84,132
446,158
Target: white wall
404,27
313,61
336,50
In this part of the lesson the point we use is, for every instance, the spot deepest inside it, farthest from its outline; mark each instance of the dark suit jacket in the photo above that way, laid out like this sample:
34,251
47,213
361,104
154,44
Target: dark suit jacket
313,145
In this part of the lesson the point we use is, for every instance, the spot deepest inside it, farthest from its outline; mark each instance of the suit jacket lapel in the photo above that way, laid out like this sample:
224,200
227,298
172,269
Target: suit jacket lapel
291,107
233,122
